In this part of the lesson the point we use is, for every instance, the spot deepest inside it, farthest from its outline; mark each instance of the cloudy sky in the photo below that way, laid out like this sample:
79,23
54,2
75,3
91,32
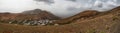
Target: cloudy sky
58,7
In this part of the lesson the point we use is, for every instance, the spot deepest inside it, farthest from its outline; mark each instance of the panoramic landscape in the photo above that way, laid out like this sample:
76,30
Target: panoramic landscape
59,16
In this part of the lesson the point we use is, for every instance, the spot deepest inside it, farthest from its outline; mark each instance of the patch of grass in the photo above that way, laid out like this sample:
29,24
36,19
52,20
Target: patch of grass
115,18
91,31
102,32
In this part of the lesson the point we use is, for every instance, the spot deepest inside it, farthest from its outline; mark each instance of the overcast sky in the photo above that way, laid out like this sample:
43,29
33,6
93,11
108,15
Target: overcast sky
57,7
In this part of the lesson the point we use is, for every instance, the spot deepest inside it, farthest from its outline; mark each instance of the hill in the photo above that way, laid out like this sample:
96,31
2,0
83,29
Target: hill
82,16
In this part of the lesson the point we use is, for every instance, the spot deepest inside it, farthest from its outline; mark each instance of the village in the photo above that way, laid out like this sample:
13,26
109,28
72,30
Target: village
34,22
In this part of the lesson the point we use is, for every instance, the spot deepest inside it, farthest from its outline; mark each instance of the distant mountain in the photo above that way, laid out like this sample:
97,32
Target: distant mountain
41,13
36,11
36,14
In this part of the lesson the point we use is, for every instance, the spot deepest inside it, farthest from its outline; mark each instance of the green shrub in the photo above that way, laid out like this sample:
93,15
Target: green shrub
102,32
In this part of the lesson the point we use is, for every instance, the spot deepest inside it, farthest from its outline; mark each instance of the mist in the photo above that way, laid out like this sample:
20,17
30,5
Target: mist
61,8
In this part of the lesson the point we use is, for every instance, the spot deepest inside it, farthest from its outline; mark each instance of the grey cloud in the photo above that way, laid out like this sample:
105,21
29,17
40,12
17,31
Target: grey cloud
102,6
72,0
98,4
73,10
46,1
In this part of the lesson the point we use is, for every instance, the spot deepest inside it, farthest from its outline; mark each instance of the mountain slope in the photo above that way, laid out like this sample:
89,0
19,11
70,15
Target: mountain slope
82,16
